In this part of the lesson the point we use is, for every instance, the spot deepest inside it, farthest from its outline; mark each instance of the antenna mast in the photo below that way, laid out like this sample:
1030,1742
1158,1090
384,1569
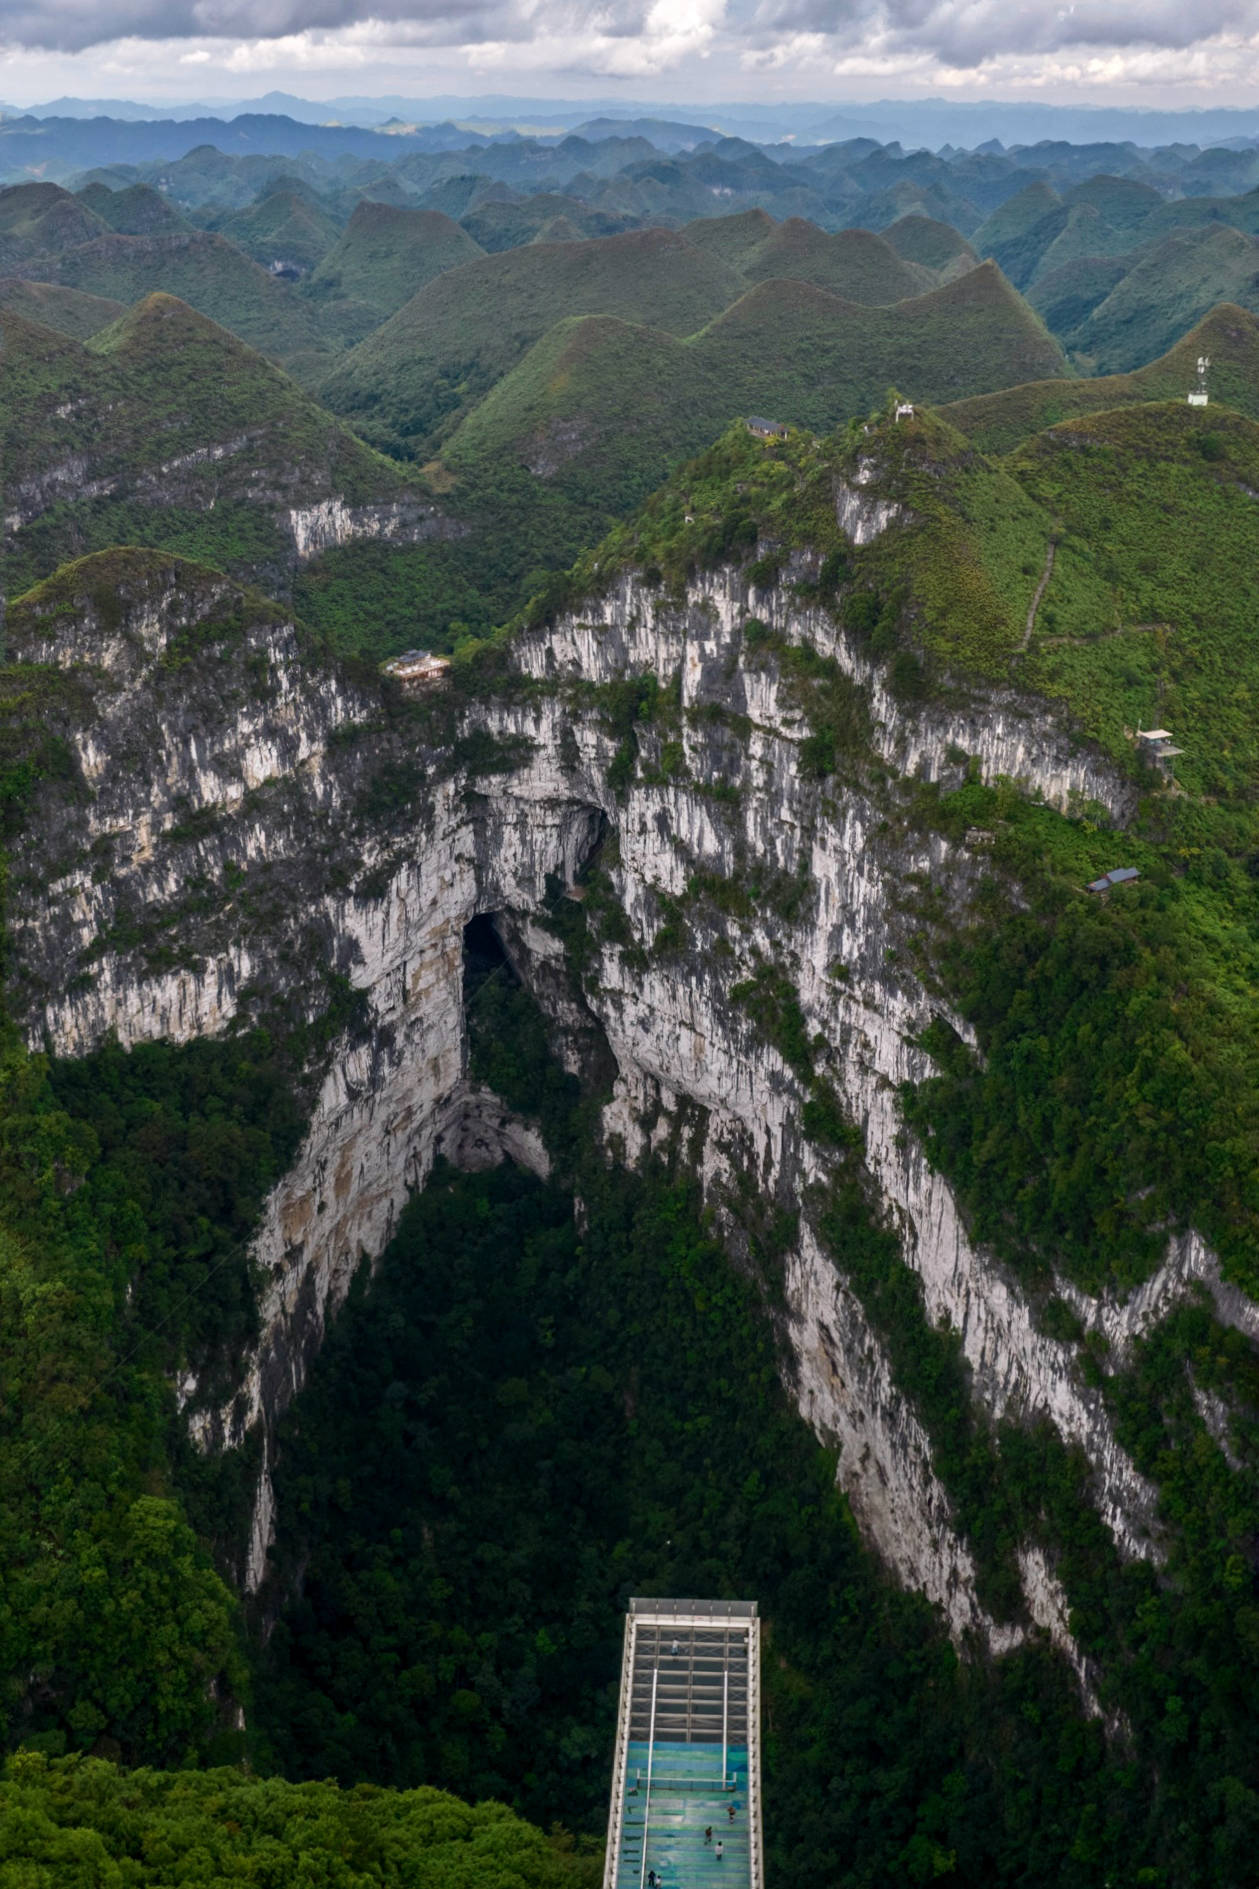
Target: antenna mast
1198,395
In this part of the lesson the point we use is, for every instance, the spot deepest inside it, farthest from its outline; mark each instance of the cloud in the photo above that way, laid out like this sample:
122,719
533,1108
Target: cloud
972,32
669,29
813,48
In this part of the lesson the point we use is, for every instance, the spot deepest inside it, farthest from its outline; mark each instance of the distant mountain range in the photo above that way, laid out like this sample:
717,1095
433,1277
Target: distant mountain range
928,122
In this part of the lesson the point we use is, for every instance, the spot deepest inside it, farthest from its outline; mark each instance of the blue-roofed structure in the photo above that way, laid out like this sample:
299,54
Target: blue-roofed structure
686,1778
1119,875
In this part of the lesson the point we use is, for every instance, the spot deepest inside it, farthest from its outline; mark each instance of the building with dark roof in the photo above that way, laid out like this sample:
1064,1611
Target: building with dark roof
1120,875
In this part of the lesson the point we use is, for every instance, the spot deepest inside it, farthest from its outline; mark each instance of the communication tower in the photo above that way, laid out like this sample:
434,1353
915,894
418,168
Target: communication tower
1198,394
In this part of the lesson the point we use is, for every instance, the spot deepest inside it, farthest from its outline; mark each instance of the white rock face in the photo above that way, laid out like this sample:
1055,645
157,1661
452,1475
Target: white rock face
391,1103
332,522
861,517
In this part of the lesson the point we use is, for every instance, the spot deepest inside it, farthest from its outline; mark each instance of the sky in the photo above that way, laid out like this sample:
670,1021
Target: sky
1162,53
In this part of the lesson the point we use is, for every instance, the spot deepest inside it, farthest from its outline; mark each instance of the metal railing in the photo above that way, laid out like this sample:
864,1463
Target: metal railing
693,1609
620,1759
651,1752
756,1850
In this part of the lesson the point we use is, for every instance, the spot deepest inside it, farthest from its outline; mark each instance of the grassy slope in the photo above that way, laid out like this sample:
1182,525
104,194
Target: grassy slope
282,225
735,240
856,264
135,211
385,255
158,386
638,397
1124,202
40,219
1065,297
1015,217
1143,625
67,311
1170,286
202,269
1229,335
450,342
936,246
1067,233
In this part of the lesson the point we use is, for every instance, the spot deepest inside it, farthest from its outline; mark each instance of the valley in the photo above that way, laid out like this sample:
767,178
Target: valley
676,1106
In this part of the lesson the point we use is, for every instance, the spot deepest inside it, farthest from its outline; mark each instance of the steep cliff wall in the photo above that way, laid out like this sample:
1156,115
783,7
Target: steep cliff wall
720,856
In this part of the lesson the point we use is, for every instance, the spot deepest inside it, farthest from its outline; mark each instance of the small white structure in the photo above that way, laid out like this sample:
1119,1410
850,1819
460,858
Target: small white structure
417,669
904,410
1158,748
1198,394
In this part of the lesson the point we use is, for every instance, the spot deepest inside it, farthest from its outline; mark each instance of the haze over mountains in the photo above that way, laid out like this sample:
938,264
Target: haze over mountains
931,121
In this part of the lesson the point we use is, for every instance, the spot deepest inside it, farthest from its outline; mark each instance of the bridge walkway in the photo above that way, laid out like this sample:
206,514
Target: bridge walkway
688,1750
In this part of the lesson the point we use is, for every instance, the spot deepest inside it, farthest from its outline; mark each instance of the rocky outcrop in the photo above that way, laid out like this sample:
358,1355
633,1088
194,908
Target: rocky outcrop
716,798
332,522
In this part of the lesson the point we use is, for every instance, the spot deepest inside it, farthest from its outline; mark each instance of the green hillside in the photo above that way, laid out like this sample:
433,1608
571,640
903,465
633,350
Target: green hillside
283,225
68,311
449,343
1125,203
1066,234
179,436
496,222
1066,297
591,419
136,211
998,422
935,246
42,219
1182,213
607,405
1015,217
202,269
853,263
735,240
384,255
1170,286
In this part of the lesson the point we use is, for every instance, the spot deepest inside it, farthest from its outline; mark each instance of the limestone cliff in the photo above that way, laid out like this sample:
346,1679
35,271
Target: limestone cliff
196,856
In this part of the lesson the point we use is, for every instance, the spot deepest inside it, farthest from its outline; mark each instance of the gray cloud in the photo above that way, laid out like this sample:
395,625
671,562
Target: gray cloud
966,32
956,32
72,25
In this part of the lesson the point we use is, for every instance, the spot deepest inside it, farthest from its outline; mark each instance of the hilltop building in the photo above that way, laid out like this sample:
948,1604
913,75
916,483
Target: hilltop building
766,429
418,669
1157,747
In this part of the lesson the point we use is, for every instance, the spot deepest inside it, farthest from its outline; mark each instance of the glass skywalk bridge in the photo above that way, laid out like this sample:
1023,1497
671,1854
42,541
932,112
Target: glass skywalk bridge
686,1798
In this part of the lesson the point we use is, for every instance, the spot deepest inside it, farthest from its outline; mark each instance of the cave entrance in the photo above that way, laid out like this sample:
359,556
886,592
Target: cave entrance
485,962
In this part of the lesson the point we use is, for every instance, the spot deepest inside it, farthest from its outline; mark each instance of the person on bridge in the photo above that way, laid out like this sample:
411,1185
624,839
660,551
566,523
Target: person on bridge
708,1834
719,1846
730,1812
651,1879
